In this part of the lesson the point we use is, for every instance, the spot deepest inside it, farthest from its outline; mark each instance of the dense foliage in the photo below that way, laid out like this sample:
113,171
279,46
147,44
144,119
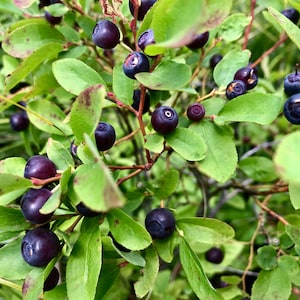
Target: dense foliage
149,149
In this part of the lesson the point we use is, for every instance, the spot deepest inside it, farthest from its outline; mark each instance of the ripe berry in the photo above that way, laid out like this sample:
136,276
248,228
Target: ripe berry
196,112
136,101
52,280
19,121
160,223
235,88
118,245
291,109
164,119
135,62
248,76
40,167
39,246
105,136
145,39
214,255
199,41
106,34
214,60
32,202
292,14
85,211
143,9
291,83
43,3
52,19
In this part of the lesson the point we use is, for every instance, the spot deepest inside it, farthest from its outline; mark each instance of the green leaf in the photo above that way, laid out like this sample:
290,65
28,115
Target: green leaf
168,75
12,219
126,231
294,191
289,264
146,282
294,233
165,248
80,75
220,162
48,117
13,165
86,111
291,29
59,155
287,158
230,63
205,230
154,142
84,263
233,27
195,274
271,285
122,85
11,187
33,61
13,266
252,107
33,284
258,168
188,143
266,257
167,183
24,40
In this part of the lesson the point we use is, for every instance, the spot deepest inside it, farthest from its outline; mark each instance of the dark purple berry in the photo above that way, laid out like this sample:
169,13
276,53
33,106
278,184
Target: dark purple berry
118,245
214,60
292,14
143,9
31,203
19,121
291,109
248,76
136,101
85,211
52,280
52,19
195,112
43,3
145,39
235,88
164,119
106,35
291,83
135,62
39,246
199,41
105,136
160,223
214,255
40,167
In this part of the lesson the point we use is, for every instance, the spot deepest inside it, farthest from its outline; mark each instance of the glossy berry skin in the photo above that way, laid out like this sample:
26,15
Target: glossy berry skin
19,121
105,136
291,109
248,76
291,83
52,280
160,223
85,211
136,101
199,41
145,39
214,255
143,9
195,112
31,203
164,119
135,62
52,19
39,246
106,35
40,167
292,14
235,88
214,60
